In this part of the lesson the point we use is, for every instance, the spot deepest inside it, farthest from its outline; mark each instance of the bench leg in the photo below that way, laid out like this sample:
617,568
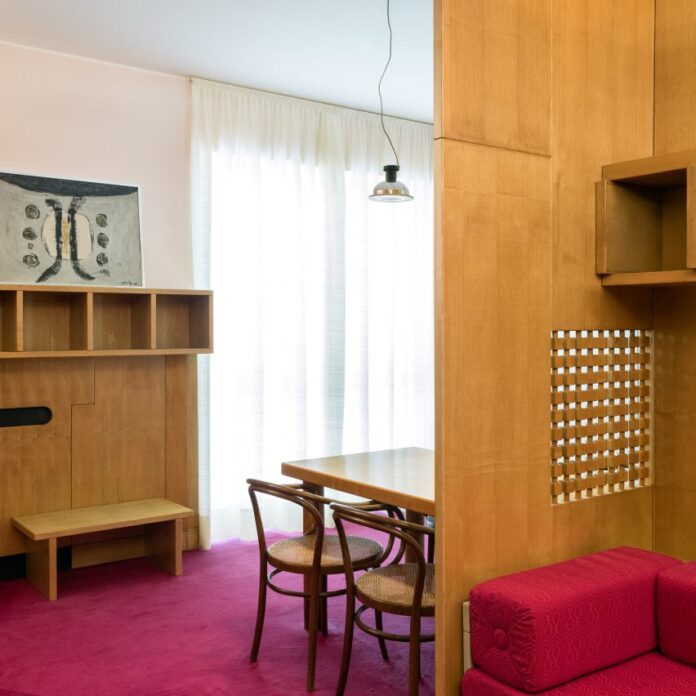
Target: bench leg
163,545
42,566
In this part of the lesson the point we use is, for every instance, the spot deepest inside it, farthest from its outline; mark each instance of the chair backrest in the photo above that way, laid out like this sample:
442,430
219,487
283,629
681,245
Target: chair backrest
310,503
395,528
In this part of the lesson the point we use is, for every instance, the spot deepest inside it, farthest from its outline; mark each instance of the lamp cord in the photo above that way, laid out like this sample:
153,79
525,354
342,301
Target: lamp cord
379,86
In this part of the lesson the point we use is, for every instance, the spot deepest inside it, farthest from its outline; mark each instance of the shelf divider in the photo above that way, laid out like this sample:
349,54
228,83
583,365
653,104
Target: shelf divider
152,326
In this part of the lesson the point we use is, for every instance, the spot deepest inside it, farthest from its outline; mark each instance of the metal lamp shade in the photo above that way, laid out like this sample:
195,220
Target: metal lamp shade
390,190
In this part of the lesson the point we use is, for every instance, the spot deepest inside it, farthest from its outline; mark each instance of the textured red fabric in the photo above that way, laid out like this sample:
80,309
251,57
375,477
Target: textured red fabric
567,619
648,675
676,612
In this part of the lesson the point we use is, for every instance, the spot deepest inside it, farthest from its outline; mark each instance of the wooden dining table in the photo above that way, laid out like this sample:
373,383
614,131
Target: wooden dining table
402,477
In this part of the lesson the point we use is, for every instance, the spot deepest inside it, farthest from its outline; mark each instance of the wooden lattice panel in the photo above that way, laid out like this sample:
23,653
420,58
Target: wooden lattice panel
600,412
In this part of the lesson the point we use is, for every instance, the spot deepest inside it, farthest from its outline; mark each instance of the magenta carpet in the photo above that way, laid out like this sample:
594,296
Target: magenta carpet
129,629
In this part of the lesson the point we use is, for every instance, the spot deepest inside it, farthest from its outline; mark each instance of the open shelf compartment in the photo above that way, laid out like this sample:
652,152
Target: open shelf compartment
645,216
183,321
123,321
10,324
56,321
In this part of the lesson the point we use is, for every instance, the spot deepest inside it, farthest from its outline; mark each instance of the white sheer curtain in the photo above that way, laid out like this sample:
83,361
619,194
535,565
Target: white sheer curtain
323,299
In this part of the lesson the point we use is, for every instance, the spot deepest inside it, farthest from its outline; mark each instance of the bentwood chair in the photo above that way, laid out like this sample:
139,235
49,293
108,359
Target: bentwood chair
314,555
405,589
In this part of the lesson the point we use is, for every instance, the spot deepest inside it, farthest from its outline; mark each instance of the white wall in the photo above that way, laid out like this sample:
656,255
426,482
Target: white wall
64,116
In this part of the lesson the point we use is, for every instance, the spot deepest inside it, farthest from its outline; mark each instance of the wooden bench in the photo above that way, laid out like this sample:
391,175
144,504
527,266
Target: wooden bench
163,535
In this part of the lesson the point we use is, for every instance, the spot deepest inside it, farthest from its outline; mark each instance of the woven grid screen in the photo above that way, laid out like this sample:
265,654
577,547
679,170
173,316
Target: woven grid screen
600,412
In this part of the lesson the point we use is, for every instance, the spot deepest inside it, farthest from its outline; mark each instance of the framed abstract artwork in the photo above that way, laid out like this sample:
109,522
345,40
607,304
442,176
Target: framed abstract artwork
67,232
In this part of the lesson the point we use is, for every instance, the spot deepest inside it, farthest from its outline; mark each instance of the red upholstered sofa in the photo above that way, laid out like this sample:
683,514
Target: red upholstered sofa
617,622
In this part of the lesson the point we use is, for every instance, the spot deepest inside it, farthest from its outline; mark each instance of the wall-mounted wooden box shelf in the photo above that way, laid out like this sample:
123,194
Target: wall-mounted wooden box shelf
646,221
183,320
41,321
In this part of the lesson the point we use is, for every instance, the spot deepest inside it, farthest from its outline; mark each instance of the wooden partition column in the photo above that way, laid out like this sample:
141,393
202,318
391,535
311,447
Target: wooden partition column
675,308
533,98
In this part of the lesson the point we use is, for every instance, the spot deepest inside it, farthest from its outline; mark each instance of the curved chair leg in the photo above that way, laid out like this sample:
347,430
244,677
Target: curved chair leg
382,642
414,657
313,624
347,644
260,611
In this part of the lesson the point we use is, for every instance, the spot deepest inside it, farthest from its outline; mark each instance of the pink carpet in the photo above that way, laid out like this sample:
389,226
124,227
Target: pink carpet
128,629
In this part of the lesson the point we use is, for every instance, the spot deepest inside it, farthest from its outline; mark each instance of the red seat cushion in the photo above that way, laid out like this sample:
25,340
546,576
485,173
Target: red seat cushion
676,612
540,628
648,675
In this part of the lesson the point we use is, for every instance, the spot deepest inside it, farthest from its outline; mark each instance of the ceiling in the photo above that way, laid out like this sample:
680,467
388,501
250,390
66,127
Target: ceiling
327,50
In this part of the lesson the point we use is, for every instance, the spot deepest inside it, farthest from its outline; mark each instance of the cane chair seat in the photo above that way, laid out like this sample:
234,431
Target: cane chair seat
394,585
299,552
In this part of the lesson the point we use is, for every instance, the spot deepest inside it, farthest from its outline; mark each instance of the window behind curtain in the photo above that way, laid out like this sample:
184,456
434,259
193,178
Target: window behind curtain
323,299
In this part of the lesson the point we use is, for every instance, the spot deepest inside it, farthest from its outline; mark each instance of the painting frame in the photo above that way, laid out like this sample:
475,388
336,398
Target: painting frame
70,231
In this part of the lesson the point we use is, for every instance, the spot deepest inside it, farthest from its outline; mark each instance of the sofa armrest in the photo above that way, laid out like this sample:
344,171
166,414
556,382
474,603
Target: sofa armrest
676,612
540,628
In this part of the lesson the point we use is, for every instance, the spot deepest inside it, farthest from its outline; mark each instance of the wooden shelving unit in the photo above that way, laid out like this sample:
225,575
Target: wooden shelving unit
77,322
646,221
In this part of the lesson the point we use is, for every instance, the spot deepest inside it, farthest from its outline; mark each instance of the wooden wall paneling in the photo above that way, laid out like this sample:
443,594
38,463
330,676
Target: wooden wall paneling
35,461
118,451
623,519
495,72
493,381
675,308
675,75
602,112
438,91
492,347
181,417
675,418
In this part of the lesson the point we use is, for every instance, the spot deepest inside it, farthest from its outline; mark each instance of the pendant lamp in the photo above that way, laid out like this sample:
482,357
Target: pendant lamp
390,190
